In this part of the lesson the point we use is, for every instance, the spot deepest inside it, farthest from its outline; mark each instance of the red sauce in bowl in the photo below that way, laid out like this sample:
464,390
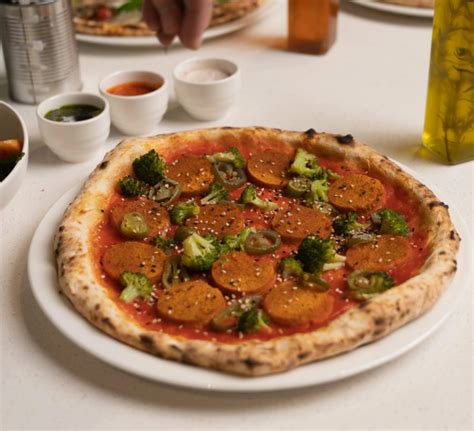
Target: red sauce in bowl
134,88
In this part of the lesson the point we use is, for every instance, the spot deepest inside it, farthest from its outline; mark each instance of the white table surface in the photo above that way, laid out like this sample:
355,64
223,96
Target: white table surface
371,84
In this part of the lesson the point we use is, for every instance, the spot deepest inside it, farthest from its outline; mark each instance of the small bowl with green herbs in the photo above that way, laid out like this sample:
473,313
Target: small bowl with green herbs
74,125
13,152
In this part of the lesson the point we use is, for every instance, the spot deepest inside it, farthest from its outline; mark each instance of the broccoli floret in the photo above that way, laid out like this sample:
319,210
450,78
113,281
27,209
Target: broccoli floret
364,285
136,285
149,168
232,156
180,212
327,174
236,242
229,317
318,255
314,282
249,196
199,253
318,192
216,194
305,164
165,244
391,222
290,267
253,320
182,233
348,223
131,187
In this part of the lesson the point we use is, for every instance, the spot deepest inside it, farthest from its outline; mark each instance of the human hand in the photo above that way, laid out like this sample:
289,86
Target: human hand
184,18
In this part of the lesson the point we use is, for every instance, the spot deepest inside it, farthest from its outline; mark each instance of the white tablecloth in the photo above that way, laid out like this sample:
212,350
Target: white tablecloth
371,84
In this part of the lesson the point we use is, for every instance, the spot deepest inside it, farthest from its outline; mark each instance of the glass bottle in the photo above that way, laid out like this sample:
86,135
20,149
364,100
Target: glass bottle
449,119
312,25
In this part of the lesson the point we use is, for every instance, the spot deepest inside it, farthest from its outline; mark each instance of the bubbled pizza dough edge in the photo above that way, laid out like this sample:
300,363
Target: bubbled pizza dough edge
360,325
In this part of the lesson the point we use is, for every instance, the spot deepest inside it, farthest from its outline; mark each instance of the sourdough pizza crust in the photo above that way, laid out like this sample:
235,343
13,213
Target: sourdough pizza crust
360,325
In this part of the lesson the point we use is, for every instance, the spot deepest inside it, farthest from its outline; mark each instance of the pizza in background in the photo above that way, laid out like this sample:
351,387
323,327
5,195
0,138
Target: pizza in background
411,3
124,18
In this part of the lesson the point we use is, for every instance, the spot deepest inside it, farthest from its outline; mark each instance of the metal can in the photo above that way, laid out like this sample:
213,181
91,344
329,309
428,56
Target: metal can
40,49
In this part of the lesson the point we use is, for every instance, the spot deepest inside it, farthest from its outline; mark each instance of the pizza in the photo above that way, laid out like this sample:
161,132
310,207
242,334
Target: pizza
252,250
411,3
124,18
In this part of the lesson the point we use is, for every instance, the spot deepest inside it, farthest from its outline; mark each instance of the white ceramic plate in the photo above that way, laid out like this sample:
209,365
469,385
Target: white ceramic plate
42,276
397,9
210,33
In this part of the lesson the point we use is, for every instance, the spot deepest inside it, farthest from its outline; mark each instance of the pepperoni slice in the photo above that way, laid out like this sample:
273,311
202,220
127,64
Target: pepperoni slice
136,257
193,303
218,219
383,254
269,169
297,222
194,175
155,215
293,305
237,272
356,192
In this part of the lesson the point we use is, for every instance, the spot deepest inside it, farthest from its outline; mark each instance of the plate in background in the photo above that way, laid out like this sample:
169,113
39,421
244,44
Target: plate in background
397,9
219,30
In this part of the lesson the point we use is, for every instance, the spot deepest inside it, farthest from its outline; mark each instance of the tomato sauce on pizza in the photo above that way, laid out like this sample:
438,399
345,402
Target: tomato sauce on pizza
297,241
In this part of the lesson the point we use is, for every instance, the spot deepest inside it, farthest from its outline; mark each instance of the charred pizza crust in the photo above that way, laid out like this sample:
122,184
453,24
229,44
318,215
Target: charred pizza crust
360,325
222,13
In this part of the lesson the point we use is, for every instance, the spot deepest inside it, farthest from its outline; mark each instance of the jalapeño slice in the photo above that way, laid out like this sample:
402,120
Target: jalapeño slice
262,242
298,187
228,175
134,225
365,284
165,192
173,272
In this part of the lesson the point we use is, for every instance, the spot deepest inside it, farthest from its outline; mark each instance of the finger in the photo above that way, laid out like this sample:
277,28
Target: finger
170,14
166,39
150,16
197,16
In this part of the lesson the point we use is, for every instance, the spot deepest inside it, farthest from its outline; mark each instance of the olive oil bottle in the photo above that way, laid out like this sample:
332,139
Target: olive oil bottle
449,120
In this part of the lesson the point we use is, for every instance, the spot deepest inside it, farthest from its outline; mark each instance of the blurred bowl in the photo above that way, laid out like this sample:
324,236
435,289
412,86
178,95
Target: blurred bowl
13,127
208,87
136,115
77,141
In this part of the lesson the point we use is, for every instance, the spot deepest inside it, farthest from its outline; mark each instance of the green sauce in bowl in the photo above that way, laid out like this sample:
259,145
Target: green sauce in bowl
73,113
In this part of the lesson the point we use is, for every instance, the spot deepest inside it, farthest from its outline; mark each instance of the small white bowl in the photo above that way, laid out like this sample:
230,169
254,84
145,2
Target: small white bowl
13,127
207,100
136,115
78,141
